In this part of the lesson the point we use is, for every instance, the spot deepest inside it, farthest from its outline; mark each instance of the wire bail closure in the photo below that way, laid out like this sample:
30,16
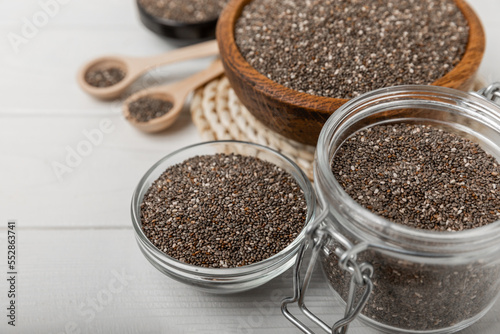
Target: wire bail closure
491,92
317,236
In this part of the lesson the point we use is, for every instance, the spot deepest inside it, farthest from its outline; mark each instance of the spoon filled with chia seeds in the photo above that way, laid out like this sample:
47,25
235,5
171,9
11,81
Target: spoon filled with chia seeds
107,77
155,109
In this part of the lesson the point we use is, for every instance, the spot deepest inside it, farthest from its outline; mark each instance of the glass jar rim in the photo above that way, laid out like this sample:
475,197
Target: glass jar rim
488,110
221,273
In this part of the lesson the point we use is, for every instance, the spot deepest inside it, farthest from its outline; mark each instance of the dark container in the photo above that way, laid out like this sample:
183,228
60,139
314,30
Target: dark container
189,32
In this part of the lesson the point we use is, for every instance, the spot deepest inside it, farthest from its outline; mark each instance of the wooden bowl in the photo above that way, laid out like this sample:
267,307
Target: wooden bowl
300,116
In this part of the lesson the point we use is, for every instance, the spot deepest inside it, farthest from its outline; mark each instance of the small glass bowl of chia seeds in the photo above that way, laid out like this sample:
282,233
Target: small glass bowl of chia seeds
222,216
437,269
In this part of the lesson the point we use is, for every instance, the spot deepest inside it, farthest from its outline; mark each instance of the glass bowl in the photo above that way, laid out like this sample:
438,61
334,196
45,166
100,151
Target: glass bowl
221,280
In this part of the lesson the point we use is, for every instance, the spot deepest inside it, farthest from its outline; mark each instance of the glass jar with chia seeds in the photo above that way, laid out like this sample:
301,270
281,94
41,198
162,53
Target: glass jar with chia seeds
397,278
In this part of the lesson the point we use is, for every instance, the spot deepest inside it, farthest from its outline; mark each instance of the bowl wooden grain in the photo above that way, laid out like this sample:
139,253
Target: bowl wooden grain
300,116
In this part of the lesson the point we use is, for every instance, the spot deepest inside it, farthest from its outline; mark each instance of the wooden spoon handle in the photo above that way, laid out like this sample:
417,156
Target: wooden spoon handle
196,80
180,89
195,51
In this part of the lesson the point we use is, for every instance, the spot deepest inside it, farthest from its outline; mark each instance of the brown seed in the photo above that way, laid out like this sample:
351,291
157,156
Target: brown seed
199,199
417,188
147,108
189,11
425,193
104,77
343,48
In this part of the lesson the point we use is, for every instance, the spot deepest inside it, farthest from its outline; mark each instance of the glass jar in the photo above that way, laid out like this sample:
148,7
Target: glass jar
396,278
221,280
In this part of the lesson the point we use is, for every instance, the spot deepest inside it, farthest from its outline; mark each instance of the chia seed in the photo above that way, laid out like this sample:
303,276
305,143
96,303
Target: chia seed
420,176
341,49
426,178
104,77
147,108
416,296
223,211
188,11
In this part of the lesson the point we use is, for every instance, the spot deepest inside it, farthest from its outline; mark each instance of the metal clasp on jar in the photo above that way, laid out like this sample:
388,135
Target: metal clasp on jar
316,237
491,92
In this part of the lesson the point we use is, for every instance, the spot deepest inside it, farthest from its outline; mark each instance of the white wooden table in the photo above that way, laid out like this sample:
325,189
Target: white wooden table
79,269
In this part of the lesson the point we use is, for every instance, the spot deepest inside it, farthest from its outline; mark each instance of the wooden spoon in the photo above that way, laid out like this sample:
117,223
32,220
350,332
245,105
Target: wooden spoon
176,93
134,67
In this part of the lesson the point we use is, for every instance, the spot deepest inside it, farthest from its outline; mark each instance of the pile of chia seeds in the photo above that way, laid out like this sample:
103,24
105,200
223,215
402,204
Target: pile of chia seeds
188,11
343,48
415,296
147,108
420,176
223,211
104,77
426,178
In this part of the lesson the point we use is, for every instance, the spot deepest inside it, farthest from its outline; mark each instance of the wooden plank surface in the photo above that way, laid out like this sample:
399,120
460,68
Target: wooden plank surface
75,236
99,280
